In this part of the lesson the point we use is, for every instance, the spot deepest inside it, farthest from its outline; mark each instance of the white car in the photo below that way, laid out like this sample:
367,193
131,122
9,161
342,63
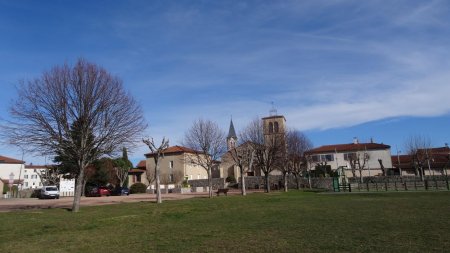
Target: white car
49,192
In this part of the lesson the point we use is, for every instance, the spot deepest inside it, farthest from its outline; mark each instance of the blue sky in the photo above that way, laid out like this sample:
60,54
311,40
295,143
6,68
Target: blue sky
336,69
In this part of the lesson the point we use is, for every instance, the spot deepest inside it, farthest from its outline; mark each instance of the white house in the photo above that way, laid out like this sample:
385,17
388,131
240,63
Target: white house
32,179
372,155
10,166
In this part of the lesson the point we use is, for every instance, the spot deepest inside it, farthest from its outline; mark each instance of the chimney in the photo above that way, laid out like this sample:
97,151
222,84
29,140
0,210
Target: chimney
355,140
371,140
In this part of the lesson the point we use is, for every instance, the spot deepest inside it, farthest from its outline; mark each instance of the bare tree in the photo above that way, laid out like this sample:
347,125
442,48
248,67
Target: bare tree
49,176
121,172
80,113
383,169
158,154
268,148
178,177
358,161
297,144
419,148
208,139
243,157
122,166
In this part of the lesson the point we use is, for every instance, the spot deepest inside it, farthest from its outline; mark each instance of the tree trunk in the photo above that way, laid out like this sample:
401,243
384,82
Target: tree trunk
360,176
285,180
210,183
158,184
83,190
78,189
266,177
309,179
243,182
297,181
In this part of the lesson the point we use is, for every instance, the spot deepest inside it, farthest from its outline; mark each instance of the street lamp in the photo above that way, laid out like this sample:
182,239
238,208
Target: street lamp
10,183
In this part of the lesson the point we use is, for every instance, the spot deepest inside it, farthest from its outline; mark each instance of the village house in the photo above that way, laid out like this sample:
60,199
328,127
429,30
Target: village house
10,167
372,159
434,161
175,166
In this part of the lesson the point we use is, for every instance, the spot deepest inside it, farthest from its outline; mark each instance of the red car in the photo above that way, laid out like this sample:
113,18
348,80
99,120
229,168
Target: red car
98,192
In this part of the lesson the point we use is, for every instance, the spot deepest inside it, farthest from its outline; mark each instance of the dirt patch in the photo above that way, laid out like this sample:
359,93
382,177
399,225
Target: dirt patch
8,205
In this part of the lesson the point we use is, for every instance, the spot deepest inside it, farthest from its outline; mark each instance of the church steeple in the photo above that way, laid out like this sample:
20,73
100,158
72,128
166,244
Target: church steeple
231,138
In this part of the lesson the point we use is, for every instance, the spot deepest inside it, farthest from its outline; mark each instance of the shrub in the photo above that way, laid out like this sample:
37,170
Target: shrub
230,179
138,188
36,193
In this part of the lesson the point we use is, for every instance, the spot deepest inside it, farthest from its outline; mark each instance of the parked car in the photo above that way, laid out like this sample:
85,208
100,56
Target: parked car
118,191
98,191
49,192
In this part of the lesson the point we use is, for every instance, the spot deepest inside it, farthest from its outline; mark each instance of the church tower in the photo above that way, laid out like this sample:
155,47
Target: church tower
274,127
231,138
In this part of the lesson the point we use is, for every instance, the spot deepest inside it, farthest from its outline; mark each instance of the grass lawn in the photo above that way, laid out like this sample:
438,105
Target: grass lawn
276,222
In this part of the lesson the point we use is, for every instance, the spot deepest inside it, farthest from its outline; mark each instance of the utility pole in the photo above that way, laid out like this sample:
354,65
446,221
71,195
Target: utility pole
398,160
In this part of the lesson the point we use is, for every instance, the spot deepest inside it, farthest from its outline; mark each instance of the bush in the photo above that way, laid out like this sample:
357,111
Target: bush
36,193
230,179
138,188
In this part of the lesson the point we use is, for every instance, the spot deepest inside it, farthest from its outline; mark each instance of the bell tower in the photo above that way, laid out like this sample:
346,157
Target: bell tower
231,138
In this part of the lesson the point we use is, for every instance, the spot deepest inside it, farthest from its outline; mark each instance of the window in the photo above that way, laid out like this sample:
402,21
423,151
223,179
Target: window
26,184
171,164
323,158
270,127
25,176
171,178
348,156
275,126
328,157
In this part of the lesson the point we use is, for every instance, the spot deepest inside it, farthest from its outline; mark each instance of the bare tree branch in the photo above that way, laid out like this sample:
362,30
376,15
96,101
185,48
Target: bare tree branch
206,137
80,113
158,153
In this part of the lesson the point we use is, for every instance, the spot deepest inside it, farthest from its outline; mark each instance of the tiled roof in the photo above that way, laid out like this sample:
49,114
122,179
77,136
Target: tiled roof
16,181
438,160
136,171
141,164
4,159
348,147
174,150
31,166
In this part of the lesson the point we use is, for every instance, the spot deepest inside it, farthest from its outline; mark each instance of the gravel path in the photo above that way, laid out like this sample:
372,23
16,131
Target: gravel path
7,205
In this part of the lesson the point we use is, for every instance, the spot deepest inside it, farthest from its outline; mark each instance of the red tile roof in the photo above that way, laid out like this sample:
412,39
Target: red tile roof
141,164
175,150
4,159
31,166
438,160
348,148
16,181
136,171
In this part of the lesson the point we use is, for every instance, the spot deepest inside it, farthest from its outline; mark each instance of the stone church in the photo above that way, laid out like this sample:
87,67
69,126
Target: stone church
272,125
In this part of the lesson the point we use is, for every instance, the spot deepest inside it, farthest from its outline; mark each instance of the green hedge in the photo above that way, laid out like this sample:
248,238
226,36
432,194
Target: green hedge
138,188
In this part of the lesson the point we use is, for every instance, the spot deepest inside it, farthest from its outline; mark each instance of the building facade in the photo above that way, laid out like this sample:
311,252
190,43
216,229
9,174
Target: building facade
371,157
